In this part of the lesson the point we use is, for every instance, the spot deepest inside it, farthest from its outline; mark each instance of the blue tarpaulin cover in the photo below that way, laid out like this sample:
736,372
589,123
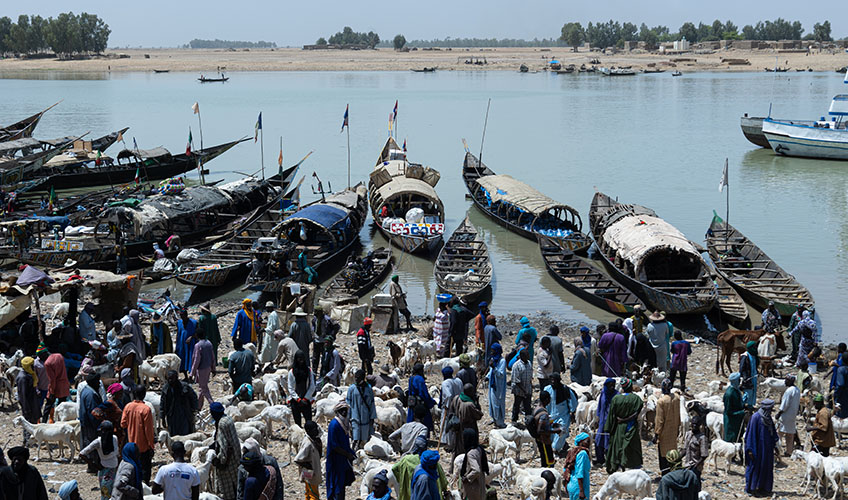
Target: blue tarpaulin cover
59,220
323,215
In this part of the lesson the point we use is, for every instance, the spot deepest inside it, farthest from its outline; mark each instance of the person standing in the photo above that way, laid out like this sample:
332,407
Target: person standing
760,442
468,413
544,363
577,468
21,480
300,387
821,431
178,405
177,480
658,334
87,326
544,428
613,348
186,339
748,362
787,413
26,383
58,388
581,364
795,335
666,424
418,394
363,412
241,365
602,438
308,460
332,365
625,447
496,378
399,303
268,350
301,331
322,326
491,335
561,410
680,352
474,468
130,326
226,462
556,348
364,346
42,380
208,324
771,318
528,335
734,409
425,479
203,366
137,419
522,385
590,343
467,373
160,336
679,483
480,325
340,456
696,446
459,318
840,390
89,399
441,330
106,446
450,387
246,327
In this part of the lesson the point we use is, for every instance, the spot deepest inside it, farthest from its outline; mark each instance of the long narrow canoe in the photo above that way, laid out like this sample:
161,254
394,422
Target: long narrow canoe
585,280
754,274
463,267
357,282
730,304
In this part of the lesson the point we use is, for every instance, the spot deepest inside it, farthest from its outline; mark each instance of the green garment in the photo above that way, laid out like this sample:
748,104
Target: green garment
734,411
208,324
403,471
625,448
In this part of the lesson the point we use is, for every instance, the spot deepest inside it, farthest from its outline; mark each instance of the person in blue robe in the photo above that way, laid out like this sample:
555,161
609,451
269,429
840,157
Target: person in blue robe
185,341
760,440
418,394
562,407
89,399
840,391
601,437
340,457
425,479
497,386
245,325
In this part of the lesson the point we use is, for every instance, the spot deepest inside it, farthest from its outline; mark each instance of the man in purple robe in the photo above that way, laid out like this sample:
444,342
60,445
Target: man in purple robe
613,347
760,440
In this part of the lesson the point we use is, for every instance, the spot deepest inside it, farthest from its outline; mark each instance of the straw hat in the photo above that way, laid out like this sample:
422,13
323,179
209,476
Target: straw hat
299,312
270,304
657,316
205,308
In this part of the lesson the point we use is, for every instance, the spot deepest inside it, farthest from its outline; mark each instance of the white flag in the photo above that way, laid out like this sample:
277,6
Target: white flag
723,183
196,108
846,76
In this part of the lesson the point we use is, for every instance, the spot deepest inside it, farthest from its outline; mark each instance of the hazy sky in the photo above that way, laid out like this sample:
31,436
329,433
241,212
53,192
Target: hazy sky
167,23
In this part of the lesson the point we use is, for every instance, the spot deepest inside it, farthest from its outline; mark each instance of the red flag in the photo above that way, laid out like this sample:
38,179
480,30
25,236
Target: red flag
188,144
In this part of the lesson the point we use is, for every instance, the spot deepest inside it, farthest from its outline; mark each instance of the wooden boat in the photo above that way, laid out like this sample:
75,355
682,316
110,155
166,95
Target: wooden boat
204,79
359,277
522,209
617,71
753,273
16,169
523,68
323,230
152,164
463,267
23,128
649,71
676,73
161,70
398,192
425,70
585,280
730,304
651,257
752,129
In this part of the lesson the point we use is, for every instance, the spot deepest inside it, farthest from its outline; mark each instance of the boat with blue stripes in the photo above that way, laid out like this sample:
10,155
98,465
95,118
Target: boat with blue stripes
823,138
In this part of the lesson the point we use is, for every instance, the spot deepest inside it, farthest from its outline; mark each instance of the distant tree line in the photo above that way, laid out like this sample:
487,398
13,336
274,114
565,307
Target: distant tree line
229,44
613,33
349,37
66,35
482,42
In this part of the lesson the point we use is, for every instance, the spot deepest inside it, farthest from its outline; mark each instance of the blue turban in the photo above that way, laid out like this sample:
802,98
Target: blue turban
524,321
429,460
584,329
66,489
734,379
580,437
447,371
496,348
216,408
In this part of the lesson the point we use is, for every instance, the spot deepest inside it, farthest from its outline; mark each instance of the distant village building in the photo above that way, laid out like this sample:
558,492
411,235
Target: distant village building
681,44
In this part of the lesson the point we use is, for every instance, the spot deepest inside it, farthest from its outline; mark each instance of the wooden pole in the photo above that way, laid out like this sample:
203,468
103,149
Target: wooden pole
200,156
348,156
262,150
485,123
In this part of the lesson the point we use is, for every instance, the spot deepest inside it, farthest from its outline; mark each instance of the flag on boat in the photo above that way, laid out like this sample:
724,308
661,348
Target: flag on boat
345,122
120,137
404,145
188,144
51,199
257,128
97,159
135,144
280,158
394,112
723,183
195,108
391,121
137,175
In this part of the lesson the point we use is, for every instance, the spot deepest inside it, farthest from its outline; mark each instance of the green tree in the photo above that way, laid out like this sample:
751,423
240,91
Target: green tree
398,42
372,39
17,38
321,41
35,34
5,27
821,32
689,32
649,36
749,33
63,35
572,34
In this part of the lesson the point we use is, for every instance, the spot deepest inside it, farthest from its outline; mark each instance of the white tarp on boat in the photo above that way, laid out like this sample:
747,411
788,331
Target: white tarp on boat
634,238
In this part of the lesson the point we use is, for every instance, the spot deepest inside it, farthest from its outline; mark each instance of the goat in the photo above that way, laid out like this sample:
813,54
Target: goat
834,472
840,426
166,440
457,279
634,482
61,434
815,468
517,436
66,411
715,423
721,448
395,353
499,444
271,414
204,468
378,448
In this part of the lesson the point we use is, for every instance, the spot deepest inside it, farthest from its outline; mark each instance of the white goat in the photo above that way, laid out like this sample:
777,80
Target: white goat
721,448
61,434
815,468
715,423
204,468
517,436
457,279
634,482
499,445
378,448
66,411
271,414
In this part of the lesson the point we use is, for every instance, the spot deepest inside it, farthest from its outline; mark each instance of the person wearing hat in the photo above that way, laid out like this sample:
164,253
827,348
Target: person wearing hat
160,335
260,481
451,387
399,304
208,324
425,479
491,335
228,448
246,325
364,346
26,383
405,468
69,490
137,419
658,334
58,389
107,450
790,403
666,423
177,480
760,443
384,378
300,331
203,366
734,408
186,340
625,447
678,483
441,329
771,318
241,365
87,327
480,324
467,374
577,468
363,412
322,327
269,342
308,460
380,487
821,432
496,378
340,456
21,480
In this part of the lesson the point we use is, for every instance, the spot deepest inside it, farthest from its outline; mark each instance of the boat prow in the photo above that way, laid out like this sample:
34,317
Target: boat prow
463,267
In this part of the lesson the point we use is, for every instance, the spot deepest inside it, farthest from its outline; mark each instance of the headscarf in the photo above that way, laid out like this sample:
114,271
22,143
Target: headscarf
497,350
115,388
247,307
419,446
766,406
581,443
524,321
67,488
482,314
134,315
666,386
674,459
41,348
251,459
130,455
464,360
18,451
429,463
251,444
107,445
751,348
447,371
734,379
471,440
27,364
216,408
343,420
314,435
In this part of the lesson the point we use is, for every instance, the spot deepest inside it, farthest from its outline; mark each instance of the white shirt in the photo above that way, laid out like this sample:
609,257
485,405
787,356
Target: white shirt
177,479
789,405
109,461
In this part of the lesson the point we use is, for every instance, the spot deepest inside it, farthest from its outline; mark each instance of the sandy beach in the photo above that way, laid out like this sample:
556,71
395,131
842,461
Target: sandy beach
209,61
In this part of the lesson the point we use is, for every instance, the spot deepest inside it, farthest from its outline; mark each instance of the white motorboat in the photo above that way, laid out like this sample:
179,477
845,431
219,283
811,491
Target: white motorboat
822,138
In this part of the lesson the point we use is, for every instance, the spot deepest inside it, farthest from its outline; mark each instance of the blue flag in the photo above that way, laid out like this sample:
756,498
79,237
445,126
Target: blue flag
257,128
344,122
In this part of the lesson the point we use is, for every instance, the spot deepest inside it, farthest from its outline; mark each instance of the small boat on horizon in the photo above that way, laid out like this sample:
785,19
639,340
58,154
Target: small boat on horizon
204,79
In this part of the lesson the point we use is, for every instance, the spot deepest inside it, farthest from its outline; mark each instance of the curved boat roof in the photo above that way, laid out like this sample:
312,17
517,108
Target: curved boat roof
636,237
504,188
334,209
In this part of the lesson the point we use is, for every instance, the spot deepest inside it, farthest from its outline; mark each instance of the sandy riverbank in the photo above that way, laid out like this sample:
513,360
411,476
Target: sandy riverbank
503,59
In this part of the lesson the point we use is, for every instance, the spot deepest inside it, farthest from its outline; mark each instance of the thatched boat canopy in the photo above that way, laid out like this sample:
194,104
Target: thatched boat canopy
507,190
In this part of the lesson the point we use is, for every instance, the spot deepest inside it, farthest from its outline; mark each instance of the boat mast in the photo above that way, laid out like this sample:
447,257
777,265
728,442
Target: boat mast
485,123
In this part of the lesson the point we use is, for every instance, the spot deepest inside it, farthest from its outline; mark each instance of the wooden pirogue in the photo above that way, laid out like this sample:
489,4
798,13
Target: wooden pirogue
463,267
585,280
651,257
360,275
754,274
730,304
521,208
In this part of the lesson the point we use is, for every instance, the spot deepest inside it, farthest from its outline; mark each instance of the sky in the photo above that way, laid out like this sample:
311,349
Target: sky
170,23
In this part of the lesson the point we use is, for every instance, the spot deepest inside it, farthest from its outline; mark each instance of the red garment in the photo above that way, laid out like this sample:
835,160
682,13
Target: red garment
138,421
479,326
57,375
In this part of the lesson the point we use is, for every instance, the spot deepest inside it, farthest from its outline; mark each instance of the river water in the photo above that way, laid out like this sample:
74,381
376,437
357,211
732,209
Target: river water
650,139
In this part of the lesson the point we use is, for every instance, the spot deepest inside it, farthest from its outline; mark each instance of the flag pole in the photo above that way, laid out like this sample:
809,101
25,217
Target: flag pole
485,123
200,156
727,207
262,150
348,156
281,161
